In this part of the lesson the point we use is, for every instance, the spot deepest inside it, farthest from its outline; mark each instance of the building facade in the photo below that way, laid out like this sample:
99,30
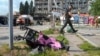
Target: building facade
45,6
79,5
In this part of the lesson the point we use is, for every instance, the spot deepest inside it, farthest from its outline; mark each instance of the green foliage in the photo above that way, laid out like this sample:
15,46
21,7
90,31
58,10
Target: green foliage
27,8
94,53
95,8
76,55
49,31
21,9
91,50
31,9
51,52
86,46
62,38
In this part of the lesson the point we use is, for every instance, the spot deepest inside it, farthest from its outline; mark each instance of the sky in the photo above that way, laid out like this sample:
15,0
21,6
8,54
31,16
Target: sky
4,6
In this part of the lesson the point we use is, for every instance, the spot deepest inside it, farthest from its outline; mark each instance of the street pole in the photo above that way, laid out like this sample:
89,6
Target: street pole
53,22
10,24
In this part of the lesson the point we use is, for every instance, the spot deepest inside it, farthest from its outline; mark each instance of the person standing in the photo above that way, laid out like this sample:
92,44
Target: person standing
68,15
20,22
96,22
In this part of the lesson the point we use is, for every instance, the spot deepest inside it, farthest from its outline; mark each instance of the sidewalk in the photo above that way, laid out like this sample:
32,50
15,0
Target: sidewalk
74,42
90,35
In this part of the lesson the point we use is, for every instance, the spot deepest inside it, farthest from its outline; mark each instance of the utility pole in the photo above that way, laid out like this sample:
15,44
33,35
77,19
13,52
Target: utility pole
10,24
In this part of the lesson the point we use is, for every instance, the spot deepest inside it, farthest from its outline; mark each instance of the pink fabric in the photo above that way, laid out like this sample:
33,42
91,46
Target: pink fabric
55,44
40,39
91,21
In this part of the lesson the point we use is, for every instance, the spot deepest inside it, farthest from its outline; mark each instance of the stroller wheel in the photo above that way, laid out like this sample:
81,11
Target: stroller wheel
67,48
41,49
17,37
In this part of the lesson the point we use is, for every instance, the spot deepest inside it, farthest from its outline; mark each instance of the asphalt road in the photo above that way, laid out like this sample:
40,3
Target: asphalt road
4,32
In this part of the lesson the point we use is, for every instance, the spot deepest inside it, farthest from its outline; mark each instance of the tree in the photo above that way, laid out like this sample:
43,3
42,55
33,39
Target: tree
95,8
26,8
31,9
21,9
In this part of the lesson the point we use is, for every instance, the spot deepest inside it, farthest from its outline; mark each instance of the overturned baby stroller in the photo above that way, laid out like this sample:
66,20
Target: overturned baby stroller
36,39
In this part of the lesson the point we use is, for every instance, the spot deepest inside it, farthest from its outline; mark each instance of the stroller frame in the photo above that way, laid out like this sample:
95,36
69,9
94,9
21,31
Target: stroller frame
31,40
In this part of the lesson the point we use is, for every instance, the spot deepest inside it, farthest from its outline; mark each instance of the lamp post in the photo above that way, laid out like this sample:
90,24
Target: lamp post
10,24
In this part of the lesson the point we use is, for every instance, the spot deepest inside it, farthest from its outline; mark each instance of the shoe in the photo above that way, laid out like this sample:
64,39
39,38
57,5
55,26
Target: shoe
62,32
75,31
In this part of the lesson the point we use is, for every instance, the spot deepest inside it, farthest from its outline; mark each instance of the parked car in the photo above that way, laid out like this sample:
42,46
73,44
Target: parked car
27,19
3,20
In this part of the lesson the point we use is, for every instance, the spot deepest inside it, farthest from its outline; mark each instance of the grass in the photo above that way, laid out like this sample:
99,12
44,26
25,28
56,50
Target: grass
20,49
91,50
86,46
61,37
49,31
4,49
51,52
76,55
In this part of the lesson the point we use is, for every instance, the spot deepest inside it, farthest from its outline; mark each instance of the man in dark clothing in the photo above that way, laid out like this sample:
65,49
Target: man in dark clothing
68,15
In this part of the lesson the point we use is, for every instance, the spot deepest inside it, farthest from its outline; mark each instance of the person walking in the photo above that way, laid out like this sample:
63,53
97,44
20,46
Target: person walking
68,15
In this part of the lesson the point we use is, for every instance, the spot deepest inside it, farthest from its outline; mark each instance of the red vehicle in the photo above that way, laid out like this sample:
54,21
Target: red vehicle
25,19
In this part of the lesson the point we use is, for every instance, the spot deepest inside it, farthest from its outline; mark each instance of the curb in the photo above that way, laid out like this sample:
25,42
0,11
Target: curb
87,40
